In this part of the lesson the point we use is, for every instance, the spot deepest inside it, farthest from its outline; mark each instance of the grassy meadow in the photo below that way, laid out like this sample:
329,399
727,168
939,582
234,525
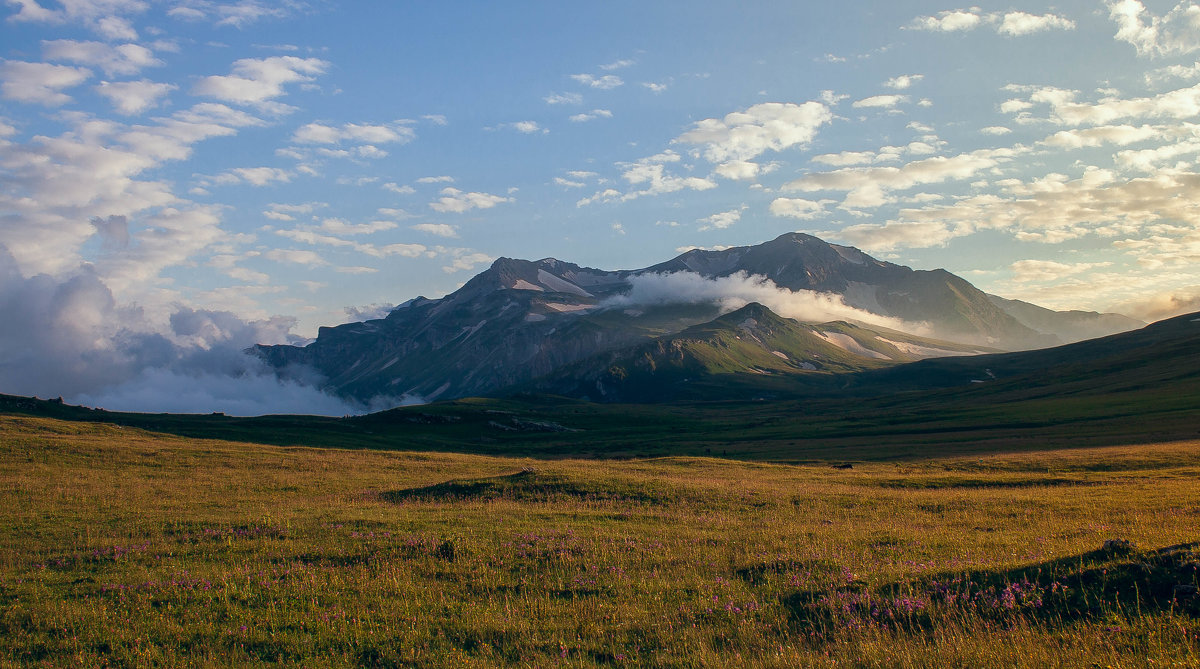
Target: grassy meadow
121,547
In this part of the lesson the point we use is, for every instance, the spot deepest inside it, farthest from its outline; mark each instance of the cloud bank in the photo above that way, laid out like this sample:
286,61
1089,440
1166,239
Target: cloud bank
737,290
69,337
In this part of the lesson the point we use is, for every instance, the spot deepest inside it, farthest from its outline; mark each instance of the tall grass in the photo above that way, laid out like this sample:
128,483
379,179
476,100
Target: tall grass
125,548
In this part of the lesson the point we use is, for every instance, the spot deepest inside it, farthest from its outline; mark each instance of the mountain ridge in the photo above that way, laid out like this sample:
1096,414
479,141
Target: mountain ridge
519,319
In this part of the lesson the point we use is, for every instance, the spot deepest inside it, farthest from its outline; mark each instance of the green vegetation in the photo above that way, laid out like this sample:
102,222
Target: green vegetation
121,547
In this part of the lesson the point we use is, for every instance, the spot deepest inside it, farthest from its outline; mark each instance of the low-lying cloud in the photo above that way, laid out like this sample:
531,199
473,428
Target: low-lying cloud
68,337
737,290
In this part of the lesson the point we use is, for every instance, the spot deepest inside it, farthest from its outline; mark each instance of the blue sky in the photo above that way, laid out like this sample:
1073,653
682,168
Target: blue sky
294,164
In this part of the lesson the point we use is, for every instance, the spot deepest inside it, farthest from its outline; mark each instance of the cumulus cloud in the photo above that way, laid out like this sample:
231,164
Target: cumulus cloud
439,229
255,176
722,220
1012,24
296,257
949,21
134,97
1021,23
869,186
256,81
740,170
744,135
56,185
604,82
563,99
880,101
737,290
365,133
797,207
1183,103
589,116
903,81
102,16
1047,270
40,83
465,259
233,14
456,201
1176,32
69,337
124,59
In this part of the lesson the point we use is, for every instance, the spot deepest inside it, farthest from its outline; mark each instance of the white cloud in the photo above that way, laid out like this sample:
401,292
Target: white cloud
398,189
1120,135
868,186
339,226
1021,23
296,257
746,134
436,180
258,80
40,83
604,83
1012,24
124,59
995,130
903,81
798,208
456,201
722,220
527,127
116,28
1176,32
650,173
439,229
738,290
588,116
56,185
464,259
654,87
563,99
367,133
949,21
1047,270
739,170
617,65
901,234
255,176
846,158
232,14
882,101
134,97
1183,103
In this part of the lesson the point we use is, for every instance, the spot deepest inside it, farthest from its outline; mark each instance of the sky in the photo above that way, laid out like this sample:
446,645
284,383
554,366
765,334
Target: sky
180,179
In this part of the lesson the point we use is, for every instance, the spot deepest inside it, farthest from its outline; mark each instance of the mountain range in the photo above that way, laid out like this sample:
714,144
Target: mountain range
684,328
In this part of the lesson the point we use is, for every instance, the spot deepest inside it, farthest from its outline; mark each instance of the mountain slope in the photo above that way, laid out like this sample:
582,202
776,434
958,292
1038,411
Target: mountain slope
748,352
520,320
1069,326
956,309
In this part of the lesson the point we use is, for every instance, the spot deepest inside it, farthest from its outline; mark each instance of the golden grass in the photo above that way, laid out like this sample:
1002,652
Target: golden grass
125,548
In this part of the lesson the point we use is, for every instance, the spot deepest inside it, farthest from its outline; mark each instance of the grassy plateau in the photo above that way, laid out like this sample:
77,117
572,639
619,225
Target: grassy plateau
122,546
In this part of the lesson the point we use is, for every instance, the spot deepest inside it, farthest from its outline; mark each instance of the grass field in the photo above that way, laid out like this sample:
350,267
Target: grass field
120,547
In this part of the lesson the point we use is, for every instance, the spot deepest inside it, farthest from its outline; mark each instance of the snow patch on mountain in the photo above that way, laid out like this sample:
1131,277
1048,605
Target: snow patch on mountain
559,285
848,343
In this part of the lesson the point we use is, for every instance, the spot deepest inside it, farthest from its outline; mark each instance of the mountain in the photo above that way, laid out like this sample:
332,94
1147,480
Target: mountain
520,320
746,353
1068,326
951,305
